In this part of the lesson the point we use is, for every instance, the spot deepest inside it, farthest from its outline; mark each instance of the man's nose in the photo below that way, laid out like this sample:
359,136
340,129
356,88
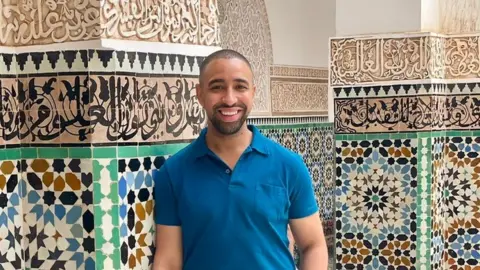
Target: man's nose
229,98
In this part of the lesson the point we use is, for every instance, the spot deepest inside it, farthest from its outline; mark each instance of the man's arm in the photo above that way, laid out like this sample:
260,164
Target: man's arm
309,237
168,254
305,222
168,240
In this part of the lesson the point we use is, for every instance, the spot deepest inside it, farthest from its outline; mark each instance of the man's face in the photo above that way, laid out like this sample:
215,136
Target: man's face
226,93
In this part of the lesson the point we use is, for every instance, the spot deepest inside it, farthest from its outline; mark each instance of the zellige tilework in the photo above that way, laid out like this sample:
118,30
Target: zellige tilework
376,203
462,198
59,222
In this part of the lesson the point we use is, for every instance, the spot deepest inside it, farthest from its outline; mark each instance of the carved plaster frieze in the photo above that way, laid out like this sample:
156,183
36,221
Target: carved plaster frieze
38,22
354,61
298,90
292,71
387,59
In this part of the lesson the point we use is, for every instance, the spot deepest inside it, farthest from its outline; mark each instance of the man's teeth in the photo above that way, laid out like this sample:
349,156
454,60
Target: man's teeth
229,113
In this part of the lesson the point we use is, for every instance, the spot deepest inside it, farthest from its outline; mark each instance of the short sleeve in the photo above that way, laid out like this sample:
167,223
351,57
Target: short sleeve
166,204
302,196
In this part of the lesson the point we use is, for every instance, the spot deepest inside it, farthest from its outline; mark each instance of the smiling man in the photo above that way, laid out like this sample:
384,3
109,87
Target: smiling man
225,201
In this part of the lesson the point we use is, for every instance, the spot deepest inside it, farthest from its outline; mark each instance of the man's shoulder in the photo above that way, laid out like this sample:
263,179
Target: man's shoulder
180,158
283,154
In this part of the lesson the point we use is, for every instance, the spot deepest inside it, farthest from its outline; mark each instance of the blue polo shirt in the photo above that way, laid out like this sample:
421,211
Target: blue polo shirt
234,219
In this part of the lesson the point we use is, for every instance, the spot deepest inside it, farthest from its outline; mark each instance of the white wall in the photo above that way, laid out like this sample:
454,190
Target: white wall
377,16
300,31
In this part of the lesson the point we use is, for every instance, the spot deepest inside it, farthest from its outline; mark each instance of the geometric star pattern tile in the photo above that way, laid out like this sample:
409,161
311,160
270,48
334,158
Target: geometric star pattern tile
62,212
11,233
376,204
462,197
315,144
137,225
58,214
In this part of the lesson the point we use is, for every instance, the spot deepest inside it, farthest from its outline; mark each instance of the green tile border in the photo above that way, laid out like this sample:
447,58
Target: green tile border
424,207
105,152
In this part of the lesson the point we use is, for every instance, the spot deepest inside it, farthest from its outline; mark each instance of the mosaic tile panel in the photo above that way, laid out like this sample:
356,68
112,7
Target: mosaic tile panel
315,143
58,214
462,202
424,203
137,226
376,190
106,207
92,207
438,206
11,221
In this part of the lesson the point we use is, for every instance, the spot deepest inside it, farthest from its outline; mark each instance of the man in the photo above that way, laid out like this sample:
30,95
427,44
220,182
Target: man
224,202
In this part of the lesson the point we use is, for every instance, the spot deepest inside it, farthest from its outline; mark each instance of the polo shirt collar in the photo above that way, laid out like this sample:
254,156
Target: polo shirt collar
259,143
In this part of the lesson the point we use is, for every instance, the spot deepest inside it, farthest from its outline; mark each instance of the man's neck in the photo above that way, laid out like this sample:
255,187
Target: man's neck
234,144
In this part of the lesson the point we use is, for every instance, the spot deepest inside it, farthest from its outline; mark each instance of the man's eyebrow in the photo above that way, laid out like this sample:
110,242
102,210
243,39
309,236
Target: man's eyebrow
215,81
240,80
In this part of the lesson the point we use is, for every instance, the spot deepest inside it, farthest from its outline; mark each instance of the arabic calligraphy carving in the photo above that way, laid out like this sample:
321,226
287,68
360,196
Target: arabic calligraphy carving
362,61
462,57
385,59
29,22
413,113
100,108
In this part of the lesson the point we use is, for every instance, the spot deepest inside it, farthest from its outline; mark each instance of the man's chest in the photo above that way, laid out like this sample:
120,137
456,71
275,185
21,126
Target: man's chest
225,195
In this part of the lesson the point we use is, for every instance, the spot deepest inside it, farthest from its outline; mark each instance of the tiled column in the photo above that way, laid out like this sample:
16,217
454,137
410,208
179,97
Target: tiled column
407,145
94,97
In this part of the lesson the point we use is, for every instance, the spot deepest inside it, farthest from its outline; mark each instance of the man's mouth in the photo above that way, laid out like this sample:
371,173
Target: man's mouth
229,112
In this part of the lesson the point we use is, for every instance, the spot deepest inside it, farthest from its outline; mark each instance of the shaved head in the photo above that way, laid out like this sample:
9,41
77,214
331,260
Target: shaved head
222,54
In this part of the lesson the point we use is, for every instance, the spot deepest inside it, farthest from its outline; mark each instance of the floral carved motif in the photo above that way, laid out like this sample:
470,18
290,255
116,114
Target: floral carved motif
31,22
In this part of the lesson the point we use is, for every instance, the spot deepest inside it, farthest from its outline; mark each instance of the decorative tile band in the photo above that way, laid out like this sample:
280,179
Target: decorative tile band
366,60
98,61
99,108
410,113
45,22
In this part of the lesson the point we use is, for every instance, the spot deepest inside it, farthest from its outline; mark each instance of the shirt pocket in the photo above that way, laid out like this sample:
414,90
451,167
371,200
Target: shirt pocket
271,201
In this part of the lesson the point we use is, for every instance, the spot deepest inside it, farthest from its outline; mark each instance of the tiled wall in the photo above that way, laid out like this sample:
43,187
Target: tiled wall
83,127
407,152
92,207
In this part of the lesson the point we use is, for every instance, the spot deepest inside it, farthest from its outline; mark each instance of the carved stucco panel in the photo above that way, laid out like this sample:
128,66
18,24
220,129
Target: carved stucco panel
244,27
364,61
34,22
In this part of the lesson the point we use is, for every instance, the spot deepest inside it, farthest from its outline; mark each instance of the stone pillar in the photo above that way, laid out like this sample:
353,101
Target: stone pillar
407,136
94,96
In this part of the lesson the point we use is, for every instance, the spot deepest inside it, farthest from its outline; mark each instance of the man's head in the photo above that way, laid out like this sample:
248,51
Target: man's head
226,90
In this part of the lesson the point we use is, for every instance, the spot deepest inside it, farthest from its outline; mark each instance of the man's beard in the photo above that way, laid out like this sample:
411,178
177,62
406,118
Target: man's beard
229,128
